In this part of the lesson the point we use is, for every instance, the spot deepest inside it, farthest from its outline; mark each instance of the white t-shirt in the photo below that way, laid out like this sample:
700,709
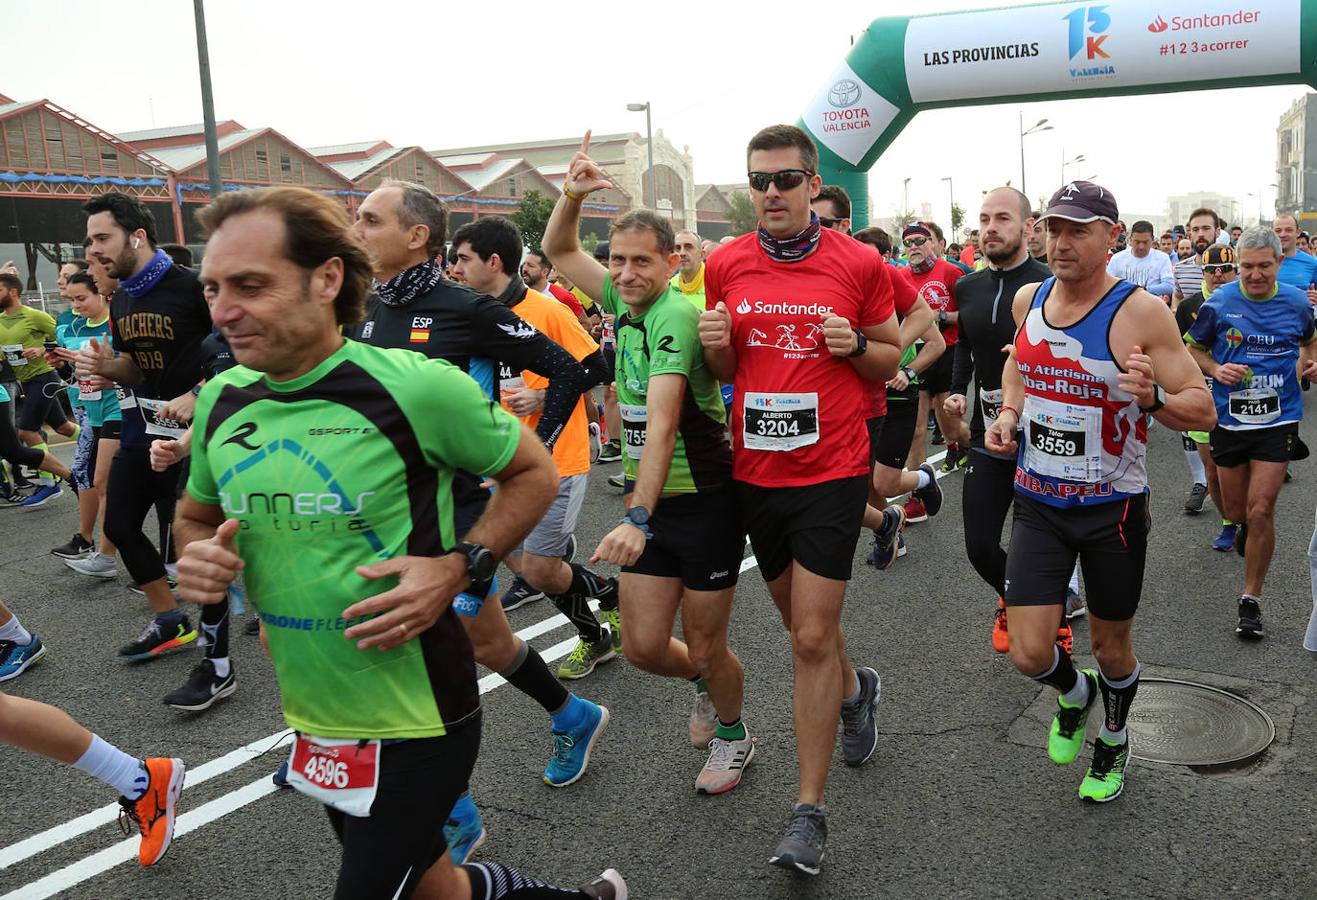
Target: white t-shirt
1152,273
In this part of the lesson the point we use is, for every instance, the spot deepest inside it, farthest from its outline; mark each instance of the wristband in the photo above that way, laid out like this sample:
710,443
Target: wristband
1005,407
644,528
572,195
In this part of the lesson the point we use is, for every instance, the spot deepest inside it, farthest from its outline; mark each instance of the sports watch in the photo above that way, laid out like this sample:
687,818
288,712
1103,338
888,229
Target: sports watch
861,343
1158,400
637,516
480,562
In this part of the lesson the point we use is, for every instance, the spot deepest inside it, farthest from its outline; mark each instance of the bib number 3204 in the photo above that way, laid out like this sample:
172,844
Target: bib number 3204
780,422
341,773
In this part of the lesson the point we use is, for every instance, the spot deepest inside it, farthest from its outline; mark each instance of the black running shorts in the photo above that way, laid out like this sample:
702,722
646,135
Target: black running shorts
386,853
697,538
874,425
898,430
1236,448
40,404
936,379
1109,539
817,525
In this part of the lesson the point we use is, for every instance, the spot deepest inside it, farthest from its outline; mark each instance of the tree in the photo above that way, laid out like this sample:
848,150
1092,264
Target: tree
957,218
589,242
532,217
902,219
742,215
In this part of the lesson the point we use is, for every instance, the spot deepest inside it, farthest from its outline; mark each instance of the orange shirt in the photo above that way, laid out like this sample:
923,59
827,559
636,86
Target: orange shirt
571,452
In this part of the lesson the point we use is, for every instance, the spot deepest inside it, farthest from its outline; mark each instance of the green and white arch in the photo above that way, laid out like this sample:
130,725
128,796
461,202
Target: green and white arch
1046,51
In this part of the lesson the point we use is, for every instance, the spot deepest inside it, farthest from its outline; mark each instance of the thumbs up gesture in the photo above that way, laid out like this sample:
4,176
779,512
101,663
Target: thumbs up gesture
716,328
88,360
207,568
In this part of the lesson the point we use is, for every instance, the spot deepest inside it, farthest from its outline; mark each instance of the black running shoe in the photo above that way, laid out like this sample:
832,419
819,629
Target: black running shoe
252,628
1250,619
202,688
76,548
931,496
519,594
161,636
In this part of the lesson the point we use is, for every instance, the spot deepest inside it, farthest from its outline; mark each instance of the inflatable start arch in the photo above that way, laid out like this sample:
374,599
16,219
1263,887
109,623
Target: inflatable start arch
1046,51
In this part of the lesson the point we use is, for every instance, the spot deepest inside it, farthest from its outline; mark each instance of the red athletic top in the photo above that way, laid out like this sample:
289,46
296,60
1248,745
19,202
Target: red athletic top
935,287
799,411
566,298
903,297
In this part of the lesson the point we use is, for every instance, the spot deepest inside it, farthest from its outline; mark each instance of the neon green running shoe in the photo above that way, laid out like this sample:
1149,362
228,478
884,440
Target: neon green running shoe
584,657
613,619
1106,776
1066,737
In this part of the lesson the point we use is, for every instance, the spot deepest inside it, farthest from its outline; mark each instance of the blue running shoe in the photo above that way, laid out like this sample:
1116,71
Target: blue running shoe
885,538
42,495
463,831
280,777
1225,541
15,658
571,748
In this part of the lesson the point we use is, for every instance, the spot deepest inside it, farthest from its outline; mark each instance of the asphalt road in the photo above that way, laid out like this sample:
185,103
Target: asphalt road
960,799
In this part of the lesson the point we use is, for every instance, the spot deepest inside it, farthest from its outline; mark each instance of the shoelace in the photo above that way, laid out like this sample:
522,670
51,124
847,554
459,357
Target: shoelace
128,818
562,748
720,754
852,717
581,653
805,829
153,628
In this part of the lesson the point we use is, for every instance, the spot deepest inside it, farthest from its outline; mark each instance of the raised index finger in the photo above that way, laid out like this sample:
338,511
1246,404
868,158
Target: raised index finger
585,144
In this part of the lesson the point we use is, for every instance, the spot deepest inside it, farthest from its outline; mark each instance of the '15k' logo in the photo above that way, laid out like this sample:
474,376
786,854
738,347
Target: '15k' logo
1088,31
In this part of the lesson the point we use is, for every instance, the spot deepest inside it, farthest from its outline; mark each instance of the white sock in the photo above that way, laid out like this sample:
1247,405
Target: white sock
924,479
1074,579
1196,468
1114,737
120,771
221,664
1078,695
855,695
14,631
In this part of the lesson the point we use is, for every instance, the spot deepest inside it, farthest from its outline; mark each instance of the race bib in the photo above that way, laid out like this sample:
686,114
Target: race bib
510,380
635,419
1063,440
990,402
1254,406
606,336
14,355
127,399
157,424
780,422
85,391
338,772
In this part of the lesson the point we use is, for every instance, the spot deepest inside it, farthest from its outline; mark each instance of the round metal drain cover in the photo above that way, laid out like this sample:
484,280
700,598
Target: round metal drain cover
1188,724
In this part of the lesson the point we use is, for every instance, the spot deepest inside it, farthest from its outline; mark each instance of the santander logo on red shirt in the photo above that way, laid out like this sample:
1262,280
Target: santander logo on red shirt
793,329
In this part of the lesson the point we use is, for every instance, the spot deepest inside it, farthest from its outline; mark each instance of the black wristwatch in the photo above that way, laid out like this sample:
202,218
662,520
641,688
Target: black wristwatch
909,373
480,562
637,516
1158,400
941,319
861,343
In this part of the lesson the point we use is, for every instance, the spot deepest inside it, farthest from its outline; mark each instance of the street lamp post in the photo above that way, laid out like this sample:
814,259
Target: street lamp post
1040,126
649,145
905,197
207,102
1065,163
951,211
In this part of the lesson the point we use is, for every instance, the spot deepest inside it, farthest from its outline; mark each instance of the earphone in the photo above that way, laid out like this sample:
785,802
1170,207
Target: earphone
136,241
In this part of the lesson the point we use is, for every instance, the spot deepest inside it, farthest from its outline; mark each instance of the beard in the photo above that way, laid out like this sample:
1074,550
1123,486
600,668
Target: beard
1006,252
123,265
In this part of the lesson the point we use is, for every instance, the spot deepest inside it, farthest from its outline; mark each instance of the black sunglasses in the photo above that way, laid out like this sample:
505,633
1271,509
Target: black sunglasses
1226,268
828,221
784,180
914,242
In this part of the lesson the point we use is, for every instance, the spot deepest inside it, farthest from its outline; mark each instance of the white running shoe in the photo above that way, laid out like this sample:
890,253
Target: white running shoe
96,565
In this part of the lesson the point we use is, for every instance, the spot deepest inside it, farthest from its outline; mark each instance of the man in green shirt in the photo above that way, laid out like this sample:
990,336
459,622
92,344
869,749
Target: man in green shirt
679,543
318,470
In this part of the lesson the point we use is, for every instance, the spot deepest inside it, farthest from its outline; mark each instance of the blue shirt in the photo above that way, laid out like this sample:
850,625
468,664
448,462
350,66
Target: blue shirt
76,335
1264,335
1299,270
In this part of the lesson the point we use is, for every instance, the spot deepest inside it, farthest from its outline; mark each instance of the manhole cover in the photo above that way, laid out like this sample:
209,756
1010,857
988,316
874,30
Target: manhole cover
1190,724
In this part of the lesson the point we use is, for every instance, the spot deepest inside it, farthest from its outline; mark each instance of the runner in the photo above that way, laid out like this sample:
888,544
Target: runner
1037,241
987,329
1142,264
487,250
680,542
1081,485
1249,337
17,453
388,720
800,316
24,332
1188,271
537,272
159,318
690,270
1219,269
1297,268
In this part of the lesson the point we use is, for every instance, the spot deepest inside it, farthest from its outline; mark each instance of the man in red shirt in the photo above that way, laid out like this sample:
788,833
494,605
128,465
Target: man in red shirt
934,278
800,317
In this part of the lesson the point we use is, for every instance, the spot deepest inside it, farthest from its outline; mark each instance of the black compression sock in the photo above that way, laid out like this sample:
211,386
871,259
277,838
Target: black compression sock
498,882
215,625
576,607
1061,675
591,585
1117,695
532,677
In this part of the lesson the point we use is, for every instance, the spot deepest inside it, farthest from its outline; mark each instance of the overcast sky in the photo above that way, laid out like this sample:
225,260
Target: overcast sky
460,73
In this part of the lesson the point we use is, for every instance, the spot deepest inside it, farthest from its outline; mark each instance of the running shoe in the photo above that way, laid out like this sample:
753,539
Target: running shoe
930,496
613,619
596,442
94,565
569,555
900,544
1106,775
42,495
571,749
161,636
938,439
518,594
608,886
1225,541
464,831
962,460
78,547
885,537
1001,640
280,776
915,511
951,460
704,720
153,812
13,498
1241,538
802,846
202,688
1250,620
137,588
15,658
727,763
1074,605
585,656
618,480
1066,737
1065,637
1289,474
1193,504
859,719
610,452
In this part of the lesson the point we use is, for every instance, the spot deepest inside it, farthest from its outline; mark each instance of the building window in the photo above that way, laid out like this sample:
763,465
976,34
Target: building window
109,161
285,164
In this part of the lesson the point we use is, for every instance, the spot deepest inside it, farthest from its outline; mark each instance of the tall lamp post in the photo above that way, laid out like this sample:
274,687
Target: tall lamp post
951,211
649,145
207,102
1067,163
1040,126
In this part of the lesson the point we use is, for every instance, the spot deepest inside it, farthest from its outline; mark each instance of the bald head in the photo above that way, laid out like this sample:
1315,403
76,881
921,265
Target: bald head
1004,218
691,253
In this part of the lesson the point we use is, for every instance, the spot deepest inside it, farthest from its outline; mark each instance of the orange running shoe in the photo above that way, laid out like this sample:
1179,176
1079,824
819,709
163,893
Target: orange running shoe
1065,637
1001,641
153,812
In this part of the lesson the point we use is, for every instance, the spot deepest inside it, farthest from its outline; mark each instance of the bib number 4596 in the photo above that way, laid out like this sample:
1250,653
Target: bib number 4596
326,772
